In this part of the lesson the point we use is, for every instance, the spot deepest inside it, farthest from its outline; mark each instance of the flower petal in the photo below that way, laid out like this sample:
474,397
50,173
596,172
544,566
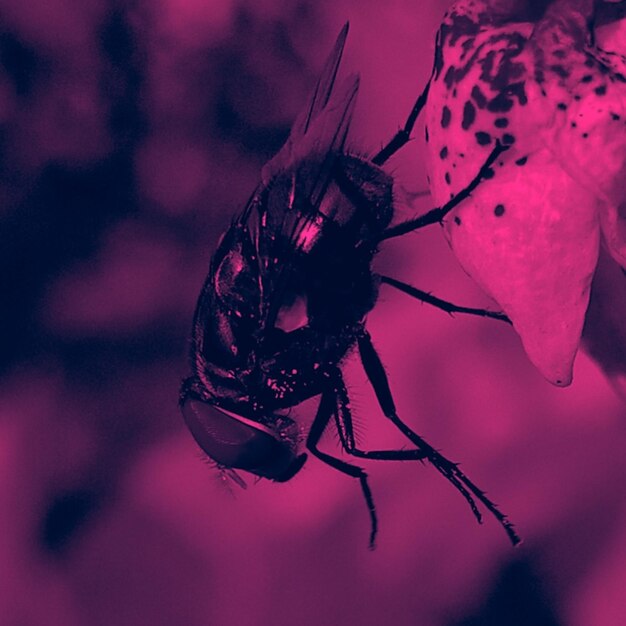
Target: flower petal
530,238
530,235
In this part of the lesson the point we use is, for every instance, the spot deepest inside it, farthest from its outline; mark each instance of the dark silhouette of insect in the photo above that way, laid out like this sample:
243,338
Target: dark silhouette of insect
286,297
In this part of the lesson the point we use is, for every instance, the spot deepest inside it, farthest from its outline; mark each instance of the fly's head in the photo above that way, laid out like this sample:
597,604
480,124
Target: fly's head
242,436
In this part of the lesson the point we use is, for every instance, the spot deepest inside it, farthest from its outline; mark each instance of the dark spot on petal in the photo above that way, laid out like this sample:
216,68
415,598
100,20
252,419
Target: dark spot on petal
499,210
426,133
500,104
483,138
587,78
487,64
585,135
508,139
539,75
574,124
446,116
561,106
489,173
469,115
444,153
521,161
501,122
462,26
517,90
468,44
479,97
559,70
600,91
457,220
438,65
447,177
577,97
614,116
448,79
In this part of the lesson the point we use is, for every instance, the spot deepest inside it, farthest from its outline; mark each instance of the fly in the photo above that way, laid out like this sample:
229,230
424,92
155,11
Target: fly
286,297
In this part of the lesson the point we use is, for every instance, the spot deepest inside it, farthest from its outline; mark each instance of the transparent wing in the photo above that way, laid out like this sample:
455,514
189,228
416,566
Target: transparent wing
324,87
322,126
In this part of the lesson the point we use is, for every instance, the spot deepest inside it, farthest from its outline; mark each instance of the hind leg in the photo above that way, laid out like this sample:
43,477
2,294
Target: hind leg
378,378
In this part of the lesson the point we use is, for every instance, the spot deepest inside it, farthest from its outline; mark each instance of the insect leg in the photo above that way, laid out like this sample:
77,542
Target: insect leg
345,428
444,305
325,411
378,378
436,215
404,134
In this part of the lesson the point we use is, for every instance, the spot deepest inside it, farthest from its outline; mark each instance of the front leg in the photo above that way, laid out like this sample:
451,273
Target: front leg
444,305
402,137
436,215
378,378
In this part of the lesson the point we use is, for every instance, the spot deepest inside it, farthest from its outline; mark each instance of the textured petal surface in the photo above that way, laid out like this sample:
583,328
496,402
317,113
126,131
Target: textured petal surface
530,238
529,235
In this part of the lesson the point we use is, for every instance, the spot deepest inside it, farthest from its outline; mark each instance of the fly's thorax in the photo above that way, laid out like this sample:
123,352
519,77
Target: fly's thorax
370,188
300,205
359,198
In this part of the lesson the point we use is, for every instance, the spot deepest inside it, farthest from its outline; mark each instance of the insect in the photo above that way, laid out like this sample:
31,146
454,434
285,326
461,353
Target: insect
286,297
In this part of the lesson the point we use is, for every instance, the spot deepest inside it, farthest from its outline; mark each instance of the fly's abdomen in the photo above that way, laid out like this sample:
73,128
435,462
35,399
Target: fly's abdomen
228,313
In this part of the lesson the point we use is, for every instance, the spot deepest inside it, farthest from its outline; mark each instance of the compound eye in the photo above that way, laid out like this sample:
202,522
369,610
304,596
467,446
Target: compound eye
234,441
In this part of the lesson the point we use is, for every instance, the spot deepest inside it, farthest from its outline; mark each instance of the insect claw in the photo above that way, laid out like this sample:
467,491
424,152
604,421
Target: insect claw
372,542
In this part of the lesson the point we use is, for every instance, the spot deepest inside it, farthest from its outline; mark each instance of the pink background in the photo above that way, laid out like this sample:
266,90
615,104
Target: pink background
130,134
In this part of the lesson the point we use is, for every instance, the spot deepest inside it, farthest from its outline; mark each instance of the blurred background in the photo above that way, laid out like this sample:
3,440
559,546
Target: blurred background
130,132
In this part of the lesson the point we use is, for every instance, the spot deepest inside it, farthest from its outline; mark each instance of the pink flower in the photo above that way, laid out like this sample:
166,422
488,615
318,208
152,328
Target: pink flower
537,81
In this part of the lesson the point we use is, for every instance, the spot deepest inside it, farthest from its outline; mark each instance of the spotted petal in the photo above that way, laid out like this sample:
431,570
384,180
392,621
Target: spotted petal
530,234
